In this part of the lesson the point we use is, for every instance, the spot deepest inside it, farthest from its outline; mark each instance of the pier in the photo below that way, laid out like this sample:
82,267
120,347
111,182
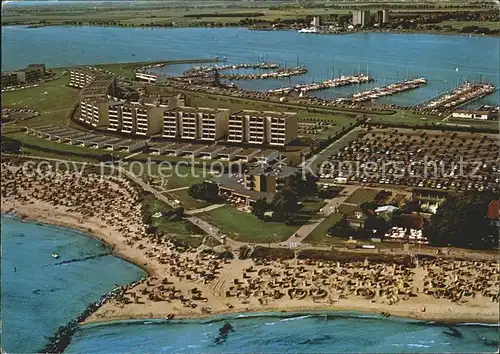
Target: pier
314,86
388,90
201,70
280,73
461,95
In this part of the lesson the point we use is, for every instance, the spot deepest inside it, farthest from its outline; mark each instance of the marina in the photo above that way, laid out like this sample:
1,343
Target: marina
337,82
388,90
201,70
461,95
279,73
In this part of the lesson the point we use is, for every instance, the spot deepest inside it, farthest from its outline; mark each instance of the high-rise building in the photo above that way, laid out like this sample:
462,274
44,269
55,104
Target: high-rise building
195,123
361,18
254,127
316,21
382,16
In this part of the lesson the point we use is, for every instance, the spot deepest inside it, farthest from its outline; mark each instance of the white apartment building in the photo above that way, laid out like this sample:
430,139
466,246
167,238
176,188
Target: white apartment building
267,127
236,128
170,124
80,77
195,123
128,119
115,117
94,111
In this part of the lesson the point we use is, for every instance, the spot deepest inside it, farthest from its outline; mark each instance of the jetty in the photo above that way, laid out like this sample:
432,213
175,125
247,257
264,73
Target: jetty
279,73
323,85
461,95
201,70
388,90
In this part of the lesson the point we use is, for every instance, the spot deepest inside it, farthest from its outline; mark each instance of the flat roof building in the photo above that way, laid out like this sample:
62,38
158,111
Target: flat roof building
262,127
195,123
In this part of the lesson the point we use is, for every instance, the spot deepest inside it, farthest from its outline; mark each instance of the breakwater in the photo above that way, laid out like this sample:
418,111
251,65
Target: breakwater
73,260
62,337
388,90
201,70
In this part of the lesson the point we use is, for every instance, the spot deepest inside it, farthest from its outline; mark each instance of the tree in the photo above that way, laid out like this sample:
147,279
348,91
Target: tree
260,207
206,191
285,201
461,221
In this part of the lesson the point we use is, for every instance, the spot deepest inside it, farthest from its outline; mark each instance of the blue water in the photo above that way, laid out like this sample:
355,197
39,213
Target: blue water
263,333
387,57
39,296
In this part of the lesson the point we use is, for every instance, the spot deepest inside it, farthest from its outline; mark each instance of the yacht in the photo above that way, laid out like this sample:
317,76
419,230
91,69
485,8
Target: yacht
308,30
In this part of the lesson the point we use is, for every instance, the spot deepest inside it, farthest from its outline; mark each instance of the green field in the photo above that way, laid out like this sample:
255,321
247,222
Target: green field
182,230
362,195
245,227
52,99
319,234
187,201
192,13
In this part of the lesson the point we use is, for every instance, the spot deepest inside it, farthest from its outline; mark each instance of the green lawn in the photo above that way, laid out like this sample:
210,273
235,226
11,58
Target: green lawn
319,234
188,202
362,195
182,230
245,227
52,99
312,207
346,209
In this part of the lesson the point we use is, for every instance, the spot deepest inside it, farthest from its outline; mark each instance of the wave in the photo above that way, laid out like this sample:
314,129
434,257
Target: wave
479,324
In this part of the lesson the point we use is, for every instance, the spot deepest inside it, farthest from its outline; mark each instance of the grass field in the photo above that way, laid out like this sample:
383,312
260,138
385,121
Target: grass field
182,13
52,99
362,195
245,227
181,230
319,234
187,201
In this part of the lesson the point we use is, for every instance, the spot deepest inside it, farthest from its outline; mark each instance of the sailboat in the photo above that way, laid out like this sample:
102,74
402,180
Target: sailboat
456,69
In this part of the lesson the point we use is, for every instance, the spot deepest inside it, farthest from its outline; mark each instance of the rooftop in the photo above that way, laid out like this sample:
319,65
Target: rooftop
273,114
231,183
277,171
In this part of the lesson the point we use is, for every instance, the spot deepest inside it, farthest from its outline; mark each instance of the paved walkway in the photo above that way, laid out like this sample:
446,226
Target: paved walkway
328,209
174,189
205,209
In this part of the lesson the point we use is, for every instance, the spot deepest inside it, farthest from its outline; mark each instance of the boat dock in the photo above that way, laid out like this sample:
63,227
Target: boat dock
280,73
461,95
388,90
201,70
314,86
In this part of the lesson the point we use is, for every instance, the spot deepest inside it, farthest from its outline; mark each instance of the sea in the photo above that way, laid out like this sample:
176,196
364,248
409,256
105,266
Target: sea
38,295
445,60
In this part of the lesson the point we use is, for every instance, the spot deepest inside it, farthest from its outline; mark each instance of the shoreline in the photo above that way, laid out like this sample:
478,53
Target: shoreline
301,311
448,33
410,311
94,234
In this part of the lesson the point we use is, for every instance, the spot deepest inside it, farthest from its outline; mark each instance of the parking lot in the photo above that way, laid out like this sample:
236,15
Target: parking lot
424,158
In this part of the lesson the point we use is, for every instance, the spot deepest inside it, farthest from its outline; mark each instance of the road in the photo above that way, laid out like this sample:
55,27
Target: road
317,159
205,209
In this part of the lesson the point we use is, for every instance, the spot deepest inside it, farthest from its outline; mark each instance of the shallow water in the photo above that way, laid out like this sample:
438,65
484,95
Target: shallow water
37,295
305,333
385,56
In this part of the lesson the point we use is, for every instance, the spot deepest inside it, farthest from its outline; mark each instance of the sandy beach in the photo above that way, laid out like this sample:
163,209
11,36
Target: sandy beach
196,283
